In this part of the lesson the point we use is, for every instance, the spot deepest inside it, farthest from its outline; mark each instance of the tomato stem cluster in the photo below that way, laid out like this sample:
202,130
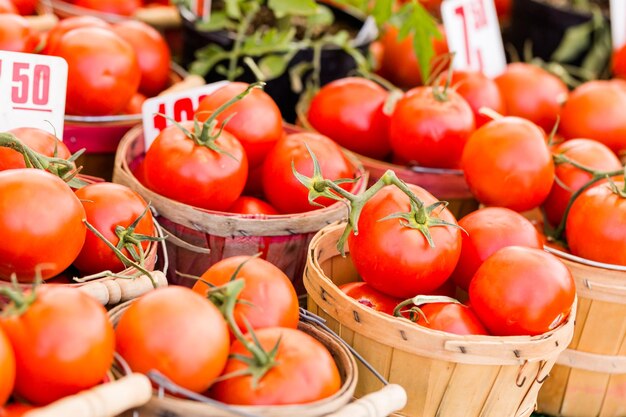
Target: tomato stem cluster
415,313
20,301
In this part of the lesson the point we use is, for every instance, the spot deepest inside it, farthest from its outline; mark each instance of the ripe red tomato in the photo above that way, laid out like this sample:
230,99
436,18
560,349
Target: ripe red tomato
152,52
395,259
595,225
350,112
121,7
6,6
38,235
363,293
63,343
103,71
281,187
431,128
164,329
507,163
522,291
570,179
36,139
532,93
268,297
16,410
178,168
251,205
304,372
7,364
257,122
16,35
595,110
479,91
25,7
135,104
107,206
488,230
451,318
618,62
56,33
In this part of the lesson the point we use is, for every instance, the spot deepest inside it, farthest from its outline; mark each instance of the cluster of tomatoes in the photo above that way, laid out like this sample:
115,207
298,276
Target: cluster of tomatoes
231,170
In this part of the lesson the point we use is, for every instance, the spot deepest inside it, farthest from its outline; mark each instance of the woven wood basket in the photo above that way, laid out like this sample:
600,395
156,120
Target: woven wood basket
589,379
445,375
281,239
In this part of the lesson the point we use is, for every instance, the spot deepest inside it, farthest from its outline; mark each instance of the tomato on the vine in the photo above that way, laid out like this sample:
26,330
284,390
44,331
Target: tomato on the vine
38,140
251,205
7,365
16,34
363,293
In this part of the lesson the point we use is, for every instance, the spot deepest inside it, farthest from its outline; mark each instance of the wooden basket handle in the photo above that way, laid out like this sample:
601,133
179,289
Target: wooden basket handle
159,16
117,290
382,403
107,400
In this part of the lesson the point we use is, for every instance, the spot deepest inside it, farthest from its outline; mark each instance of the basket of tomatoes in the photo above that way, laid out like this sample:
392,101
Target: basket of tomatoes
206,183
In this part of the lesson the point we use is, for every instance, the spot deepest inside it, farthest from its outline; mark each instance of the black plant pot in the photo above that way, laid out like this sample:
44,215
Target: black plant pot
336,63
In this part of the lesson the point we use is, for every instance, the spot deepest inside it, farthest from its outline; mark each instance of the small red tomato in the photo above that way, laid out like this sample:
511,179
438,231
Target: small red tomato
121,7
38,140
135,104
363,293
451,318
56,33
522,291
251,205
26,7
16,34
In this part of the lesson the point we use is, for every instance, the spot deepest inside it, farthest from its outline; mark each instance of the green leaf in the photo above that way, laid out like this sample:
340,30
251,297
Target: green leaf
323,17
218,21
273,66
575,40
382,11
207,58
232,9
282,8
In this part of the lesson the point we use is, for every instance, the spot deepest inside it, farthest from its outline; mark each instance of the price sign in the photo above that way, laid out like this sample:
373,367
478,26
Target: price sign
32,91
618,23
473,34
180,106
201,8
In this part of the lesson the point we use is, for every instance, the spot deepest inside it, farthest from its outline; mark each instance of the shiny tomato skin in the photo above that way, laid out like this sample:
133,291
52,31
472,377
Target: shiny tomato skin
25,7
177,168
363,293
257,122
152,51
16,34
397,260
522,291
618,62
74,22
532,93
36,139
38,235
108,205
121,7
479,91
15,410
164,329
251,205
350,112
595,110
63,343
305,372
7,364
103,71
451,318
587,152
488,230
431,131
270,298
496,173
595,225
281,187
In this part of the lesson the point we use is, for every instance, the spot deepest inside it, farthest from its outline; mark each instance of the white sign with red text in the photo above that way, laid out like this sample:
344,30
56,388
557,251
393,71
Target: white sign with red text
180,106
618,23
32,91
201,8
473,34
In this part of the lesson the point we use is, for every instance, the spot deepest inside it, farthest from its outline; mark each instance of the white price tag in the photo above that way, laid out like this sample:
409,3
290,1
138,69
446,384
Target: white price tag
473,33
201,8
32,91
618,22
180,106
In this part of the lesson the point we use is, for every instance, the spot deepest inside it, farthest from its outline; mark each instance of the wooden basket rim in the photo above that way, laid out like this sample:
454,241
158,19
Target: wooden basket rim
406,336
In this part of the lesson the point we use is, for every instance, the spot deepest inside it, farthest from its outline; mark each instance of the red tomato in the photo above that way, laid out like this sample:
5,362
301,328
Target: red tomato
532,93
121,7
281,187
451,318
587,152
16,35
26,7
41,224
488,230
7,364
595,110
251,205
350,112
268,298
595,225
618,63
56,33
395,259
507,163
177,168
522,291
15,410
108,206
363,293
63,343
152,52
257,121
164,329
6,6
103,71
431,127
304,372
135,104
36,139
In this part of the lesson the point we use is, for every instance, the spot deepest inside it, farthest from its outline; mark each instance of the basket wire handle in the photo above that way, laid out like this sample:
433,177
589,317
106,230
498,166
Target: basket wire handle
314,318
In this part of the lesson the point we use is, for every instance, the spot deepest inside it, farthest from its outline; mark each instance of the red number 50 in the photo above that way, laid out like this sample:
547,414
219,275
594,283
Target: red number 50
25,89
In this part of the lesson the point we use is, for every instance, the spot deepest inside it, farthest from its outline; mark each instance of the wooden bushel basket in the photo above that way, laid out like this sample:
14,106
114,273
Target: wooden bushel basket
589,379
198,238
445,375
